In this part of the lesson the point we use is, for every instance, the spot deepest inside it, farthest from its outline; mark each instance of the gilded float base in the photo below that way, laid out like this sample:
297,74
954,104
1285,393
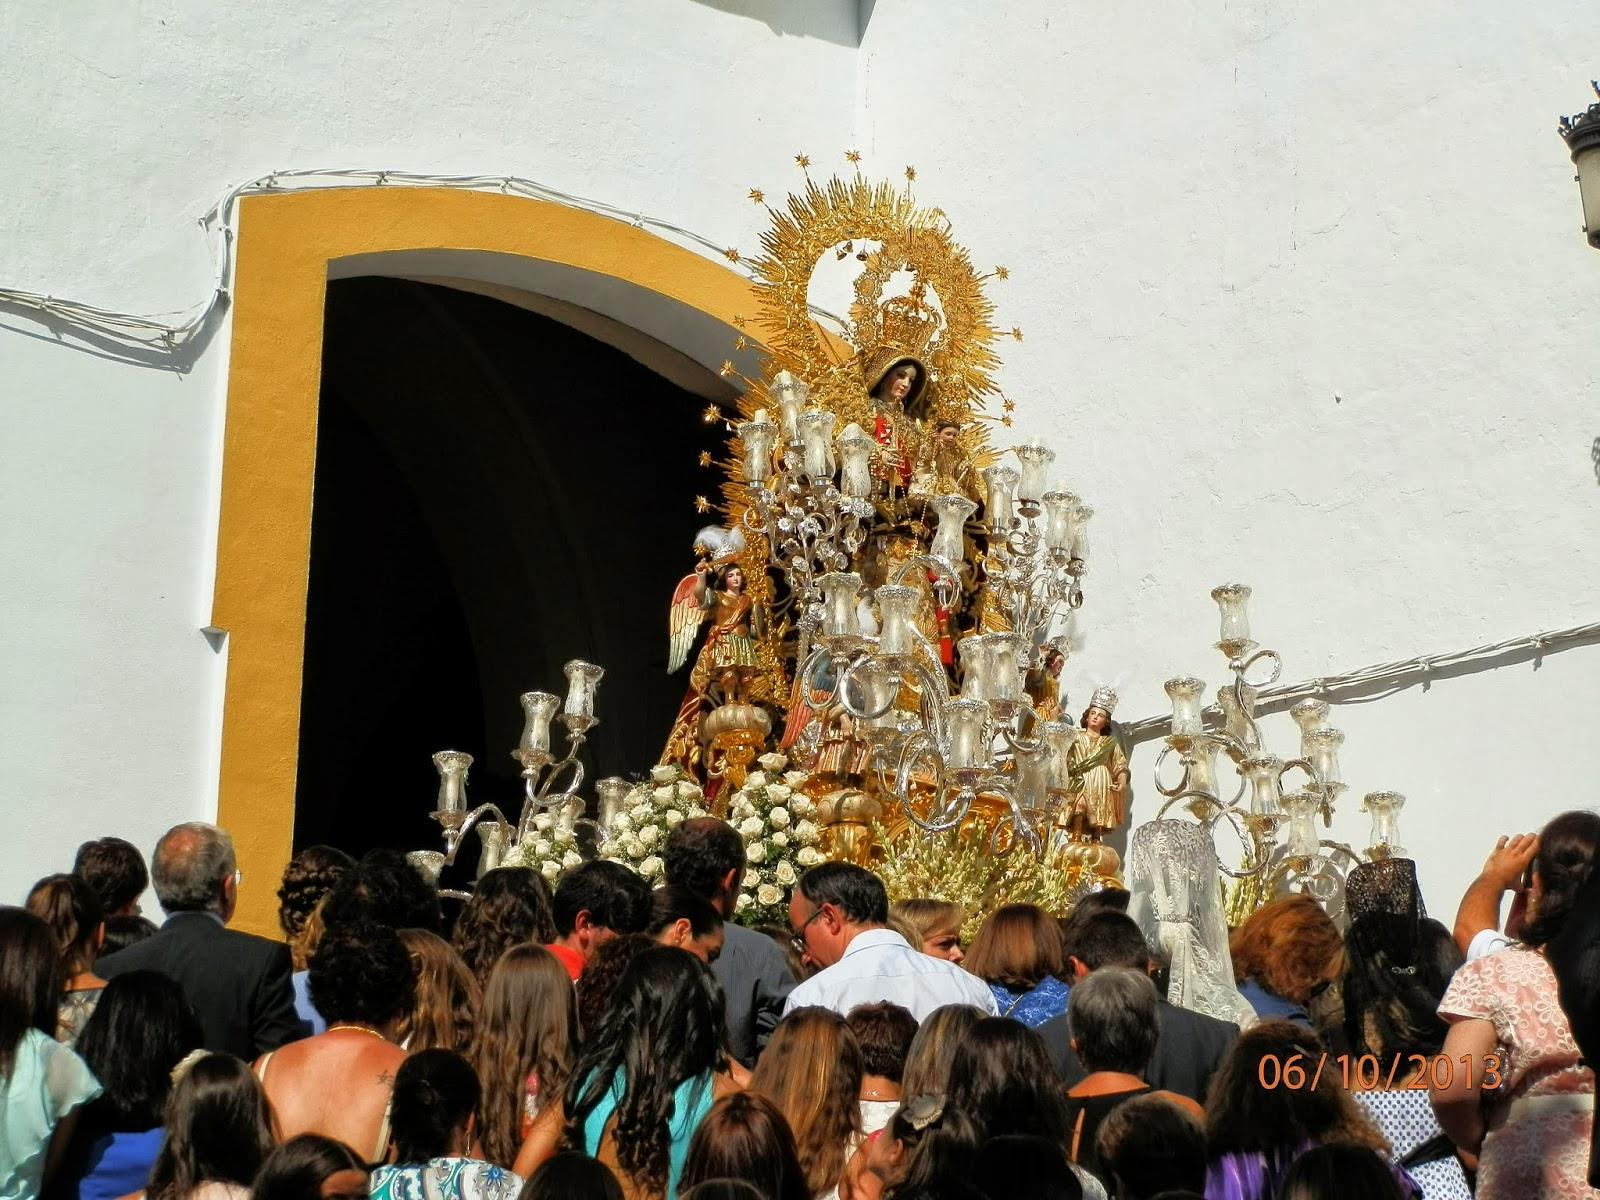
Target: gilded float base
733,735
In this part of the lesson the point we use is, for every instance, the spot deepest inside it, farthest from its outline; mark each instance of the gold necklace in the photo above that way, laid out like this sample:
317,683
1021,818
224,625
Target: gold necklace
357,1029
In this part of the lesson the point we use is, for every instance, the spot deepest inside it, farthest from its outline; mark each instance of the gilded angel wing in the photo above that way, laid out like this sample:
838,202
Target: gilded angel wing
683,621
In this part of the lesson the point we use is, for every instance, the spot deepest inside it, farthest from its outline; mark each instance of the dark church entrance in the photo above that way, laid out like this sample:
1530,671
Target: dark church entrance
495,494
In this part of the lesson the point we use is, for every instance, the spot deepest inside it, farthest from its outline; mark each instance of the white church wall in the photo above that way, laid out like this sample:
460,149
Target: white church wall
1303,298
1305,303
137,117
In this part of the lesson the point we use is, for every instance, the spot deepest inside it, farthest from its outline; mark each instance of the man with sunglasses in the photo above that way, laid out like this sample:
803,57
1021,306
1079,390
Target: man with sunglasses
839,915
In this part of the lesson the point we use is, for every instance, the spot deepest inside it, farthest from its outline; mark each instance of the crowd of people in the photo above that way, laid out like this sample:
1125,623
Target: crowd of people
603,1040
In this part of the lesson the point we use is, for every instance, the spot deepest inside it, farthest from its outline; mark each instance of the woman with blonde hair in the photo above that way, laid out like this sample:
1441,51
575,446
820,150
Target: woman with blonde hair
1019,953
526,1040
937,924
811,1069
927,1071
448,996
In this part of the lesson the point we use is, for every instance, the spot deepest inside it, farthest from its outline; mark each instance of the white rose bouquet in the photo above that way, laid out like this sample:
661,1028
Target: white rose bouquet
548,849
638,831
775,818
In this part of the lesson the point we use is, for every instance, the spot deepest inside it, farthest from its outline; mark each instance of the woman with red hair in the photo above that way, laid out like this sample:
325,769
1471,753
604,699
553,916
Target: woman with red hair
1286,954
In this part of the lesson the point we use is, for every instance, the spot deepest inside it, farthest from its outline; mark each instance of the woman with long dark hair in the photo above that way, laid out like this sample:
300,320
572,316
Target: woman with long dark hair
680,918
509,906
436,1096
744,1136
1532,1135
1253,1133
926,1151
219,1132
72,910
811,1070
526,1040
141,1029
646,1078
1397,964
42,1083
572,1176
1003,1078
311,1167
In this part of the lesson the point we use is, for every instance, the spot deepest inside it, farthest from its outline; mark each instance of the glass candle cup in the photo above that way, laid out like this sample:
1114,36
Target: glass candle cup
452,766
967,730
839,592
855,462
816,434
582,680
537,709
1186,693
1001,510
949,540
897,609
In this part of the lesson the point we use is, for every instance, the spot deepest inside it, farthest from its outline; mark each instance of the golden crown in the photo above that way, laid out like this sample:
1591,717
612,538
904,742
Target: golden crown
909,325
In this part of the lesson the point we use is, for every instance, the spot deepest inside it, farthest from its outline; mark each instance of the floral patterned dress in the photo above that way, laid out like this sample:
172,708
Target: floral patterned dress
1537,1146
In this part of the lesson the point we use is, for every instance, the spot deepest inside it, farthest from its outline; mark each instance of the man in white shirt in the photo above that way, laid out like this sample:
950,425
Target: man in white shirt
839,914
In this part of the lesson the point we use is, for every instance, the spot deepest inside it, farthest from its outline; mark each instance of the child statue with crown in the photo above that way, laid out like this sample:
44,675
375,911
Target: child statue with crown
1097,773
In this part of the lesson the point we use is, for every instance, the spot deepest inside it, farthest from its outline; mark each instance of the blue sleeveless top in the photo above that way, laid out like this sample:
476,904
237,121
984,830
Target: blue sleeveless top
691,1100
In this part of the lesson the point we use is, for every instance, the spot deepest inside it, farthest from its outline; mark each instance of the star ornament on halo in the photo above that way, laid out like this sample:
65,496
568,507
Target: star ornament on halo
702,505
724,370
757,195
705,458
712,412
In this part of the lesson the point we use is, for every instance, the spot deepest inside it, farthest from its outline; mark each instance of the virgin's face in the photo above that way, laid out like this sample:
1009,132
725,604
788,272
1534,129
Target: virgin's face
901,380
1095,720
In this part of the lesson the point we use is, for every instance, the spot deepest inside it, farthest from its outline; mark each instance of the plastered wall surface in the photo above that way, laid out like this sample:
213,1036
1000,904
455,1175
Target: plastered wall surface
1303,299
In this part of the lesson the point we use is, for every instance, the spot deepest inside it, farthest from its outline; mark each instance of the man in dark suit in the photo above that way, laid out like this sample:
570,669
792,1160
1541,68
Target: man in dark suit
238,984
1191,1045
706,856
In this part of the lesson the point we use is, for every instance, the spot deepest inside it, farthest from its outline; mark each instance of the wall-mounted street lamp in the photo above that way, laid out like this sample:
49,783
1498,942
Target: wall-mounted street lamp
1582,135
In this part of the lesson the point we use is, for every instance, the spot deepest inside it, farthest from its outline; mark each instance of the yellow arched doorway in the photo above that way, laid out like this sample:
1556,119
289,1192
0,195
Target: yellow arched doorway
288,245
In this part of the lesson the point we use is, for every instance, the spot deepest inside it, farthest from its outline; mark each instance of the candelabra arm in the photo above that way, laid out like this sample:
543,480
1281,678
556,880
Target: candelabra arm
454,837
1241,667
1174,792
917,744
1021,828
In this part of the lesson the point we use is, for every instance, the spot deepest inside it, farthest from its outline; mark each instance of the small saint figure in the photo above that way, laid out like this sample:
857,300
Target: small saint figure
1097,773
728,660
945,469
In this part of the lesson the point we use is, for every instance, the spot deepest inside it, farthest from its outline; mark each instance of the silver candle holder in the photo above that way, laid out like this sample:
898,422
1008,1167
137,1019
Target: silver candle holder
550,781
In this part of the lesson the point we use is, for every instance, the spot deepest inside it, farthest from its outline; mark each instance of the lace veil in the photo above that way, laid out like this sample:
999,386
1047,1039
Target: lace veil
1176,897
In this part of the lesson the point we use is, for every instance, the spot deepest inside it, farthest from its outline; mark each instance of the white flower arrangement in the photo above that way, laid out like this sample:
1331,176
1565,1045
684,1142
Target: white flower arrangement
548,849
773,816
639,830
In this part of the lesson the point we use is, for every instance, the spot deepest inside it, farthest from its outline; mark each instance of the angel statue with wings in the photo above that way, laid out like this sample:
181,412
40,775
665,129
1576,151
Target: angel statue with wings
717,588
